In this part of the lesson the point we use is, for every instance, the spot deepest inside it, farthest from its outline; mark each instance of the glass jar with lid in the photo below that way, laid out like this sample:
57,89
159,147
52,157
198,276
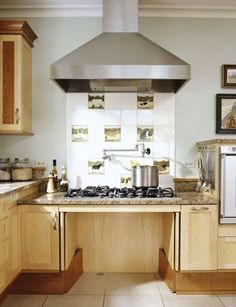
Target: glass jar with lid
21,170
5,169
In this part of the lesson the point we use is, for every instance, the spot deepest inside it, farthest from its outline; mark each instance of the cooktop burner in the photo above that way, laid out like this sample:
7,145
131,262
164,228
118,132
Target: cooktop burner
107,192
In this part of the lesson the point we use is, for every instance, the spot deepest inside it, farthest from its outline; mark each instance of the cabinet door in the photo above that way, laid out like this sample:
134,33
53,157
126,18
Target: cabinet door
40,238
198,241
15,240
15,85
10,91
227,253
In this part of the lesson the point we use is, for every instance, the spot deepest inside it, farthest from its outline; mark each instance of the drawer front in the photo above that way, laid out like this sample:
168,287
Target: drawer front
227,253
4,229
227,230
3,210
4,251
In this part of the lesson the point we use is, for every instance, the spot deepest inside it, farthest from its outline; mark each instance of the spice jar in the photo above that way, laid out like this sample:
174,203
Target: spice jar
21,170
5,169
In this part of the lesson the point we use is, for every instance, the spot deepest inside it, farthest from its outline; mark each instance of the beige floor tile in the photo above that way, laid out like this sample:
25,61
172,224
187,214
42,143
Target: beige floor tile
24,301
143,300
135,283
163,288
74,301
191,301
228,300
89,283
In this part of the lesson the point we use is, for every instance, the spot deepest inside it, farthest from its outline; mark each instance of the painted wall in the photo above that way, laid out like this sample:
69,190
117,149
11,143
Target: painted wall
204,43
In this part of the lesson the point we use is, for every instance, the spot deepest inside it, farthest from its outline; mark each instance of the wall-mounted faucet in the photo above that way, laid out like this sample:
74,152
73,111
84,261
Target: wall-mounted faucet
138,147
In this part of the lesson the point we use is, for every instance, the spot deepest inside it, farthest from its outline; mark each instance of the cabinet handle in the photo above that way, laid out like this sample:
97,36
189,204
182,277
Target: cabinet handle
199,209
54,219
17,115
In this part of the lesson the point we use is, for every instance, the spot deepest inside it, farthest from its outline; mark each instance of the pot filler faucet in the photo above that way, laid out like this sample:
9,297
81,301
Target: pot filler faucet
138,147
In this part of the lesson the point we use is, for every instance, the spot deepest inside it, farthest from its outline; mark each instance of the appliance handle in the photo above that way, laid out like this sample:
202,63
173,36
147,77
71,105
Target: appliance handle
222,185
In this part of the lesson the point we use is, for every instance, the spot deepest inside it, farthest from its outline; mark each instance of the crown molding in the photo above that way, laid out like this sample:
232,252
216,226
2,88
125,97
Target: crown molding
187,11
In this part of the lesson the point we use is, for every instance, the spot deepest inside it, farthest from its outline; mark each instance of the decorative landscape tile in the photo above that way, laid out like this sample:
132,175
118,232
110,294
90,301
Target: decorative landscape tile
96,166
145,101
145,133
112,133
163,166
96,101
79,133
125,181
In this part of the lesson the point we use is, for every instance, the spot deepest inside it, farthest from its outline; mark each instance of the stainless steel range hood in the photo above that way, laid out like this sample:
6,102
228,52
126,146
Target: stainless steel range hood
120,59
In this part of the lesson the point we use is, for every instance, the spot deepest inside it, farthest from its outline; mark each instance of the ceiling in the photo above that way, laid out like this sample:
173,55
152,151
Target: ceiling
189,3
147,8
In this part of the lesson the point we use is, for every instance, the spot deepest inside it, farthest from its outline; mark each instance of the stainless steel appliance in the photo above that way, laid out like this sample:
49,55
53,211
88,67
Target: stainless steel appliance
120,59
107,192
145,176
228,185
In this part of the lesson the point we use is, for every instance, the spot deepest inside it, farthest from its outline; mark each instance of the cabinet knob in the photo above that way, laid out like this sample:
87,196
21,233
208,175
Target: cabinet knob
199,209
17,116
54,220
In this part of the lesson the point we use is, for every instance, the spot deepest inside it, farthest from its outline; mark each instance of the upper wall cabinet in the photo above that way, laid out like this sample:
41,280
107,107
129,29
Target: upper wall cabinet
16,42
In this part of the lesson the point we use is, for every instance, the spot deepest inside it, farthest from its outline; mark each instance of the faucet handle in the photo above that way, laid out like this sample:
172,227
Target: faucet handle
147,151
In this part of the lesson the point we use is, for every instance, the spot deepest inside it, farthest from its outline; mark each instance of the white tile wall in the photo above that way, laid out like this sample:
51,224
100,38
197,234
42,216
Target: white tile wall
121,110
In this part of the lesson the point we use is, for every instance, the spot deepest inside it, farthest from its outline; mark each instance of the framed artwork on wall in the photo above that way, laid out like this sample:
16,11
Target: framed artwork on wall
228,76
226,113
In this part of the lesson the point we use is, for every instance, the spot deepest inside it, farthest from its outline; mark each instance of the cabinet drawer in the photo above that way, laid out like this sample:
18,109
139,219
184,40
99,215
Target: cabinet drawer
227,253
4,229
4,275
3,210
227,230
4,251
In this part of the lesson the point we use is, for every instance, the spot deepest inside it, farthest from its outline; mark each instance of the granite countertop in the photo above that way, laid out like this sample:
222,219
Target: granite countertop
184,198
9,187
217,141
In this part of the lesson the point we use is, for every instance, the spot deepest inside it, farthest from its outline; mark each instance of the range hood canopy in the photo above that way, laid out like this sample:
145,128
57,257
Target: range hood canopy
120,59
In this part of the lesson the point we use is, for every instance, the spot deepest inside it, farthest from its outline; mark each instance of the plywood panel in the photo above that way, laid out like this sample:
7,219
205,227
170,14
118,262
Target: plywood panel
168,237
120,242
71,241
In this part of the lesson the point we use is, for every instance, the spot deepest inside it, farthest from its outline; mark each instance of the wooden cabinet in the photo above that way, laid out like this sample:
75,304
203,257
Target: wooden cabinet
198,237
14,241
227,247
4,246
40,238
16,40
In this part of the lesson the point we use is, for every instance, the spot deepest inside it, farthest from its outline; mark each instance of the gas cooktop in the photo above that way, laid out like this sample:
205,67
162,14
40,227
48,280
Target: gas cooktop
107,192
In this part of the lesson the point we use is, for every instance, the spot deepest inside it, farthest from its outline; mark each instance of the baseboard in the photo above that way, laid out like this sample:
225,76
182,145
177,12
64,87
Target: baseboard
196,282
57,282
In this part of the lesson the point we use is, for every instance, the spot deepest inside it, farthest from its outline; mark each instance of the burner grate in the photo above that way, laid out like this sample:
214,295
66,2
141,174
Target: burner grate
107,192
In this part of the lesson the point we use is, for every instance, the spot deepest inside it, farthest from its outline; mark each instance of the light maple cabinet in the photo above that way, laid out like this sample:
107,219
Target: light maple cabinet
4,246
40,237
14,241
198,237
227,247
16,41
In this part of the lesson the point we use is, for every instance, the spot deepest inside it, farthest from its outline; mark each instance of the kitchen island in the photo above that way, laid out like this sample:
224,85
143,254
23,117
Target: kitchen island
174,236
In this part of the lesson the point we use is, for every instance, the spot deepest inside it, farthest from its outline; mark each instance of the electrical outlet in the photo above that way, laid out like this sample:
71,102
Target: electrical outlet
190,164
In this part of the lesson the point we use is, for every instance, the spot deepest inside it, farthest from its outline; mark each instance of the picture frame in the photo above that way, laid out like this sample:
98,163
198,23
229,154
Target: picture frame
225,113
228,78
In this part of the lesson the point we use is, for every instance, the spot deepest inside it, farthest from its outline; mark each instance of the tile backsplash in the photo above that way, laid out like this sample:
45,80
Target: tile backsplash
119,121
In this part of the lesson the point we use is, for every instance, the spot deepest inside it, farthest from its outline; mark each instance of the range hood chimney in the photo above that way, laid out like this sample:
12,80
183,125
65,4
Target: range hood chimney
120,59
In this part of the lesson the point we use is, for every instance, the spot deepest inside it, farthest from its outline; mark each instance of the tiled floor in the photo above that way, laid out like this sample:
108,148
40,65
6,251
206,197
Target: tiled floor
119,290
